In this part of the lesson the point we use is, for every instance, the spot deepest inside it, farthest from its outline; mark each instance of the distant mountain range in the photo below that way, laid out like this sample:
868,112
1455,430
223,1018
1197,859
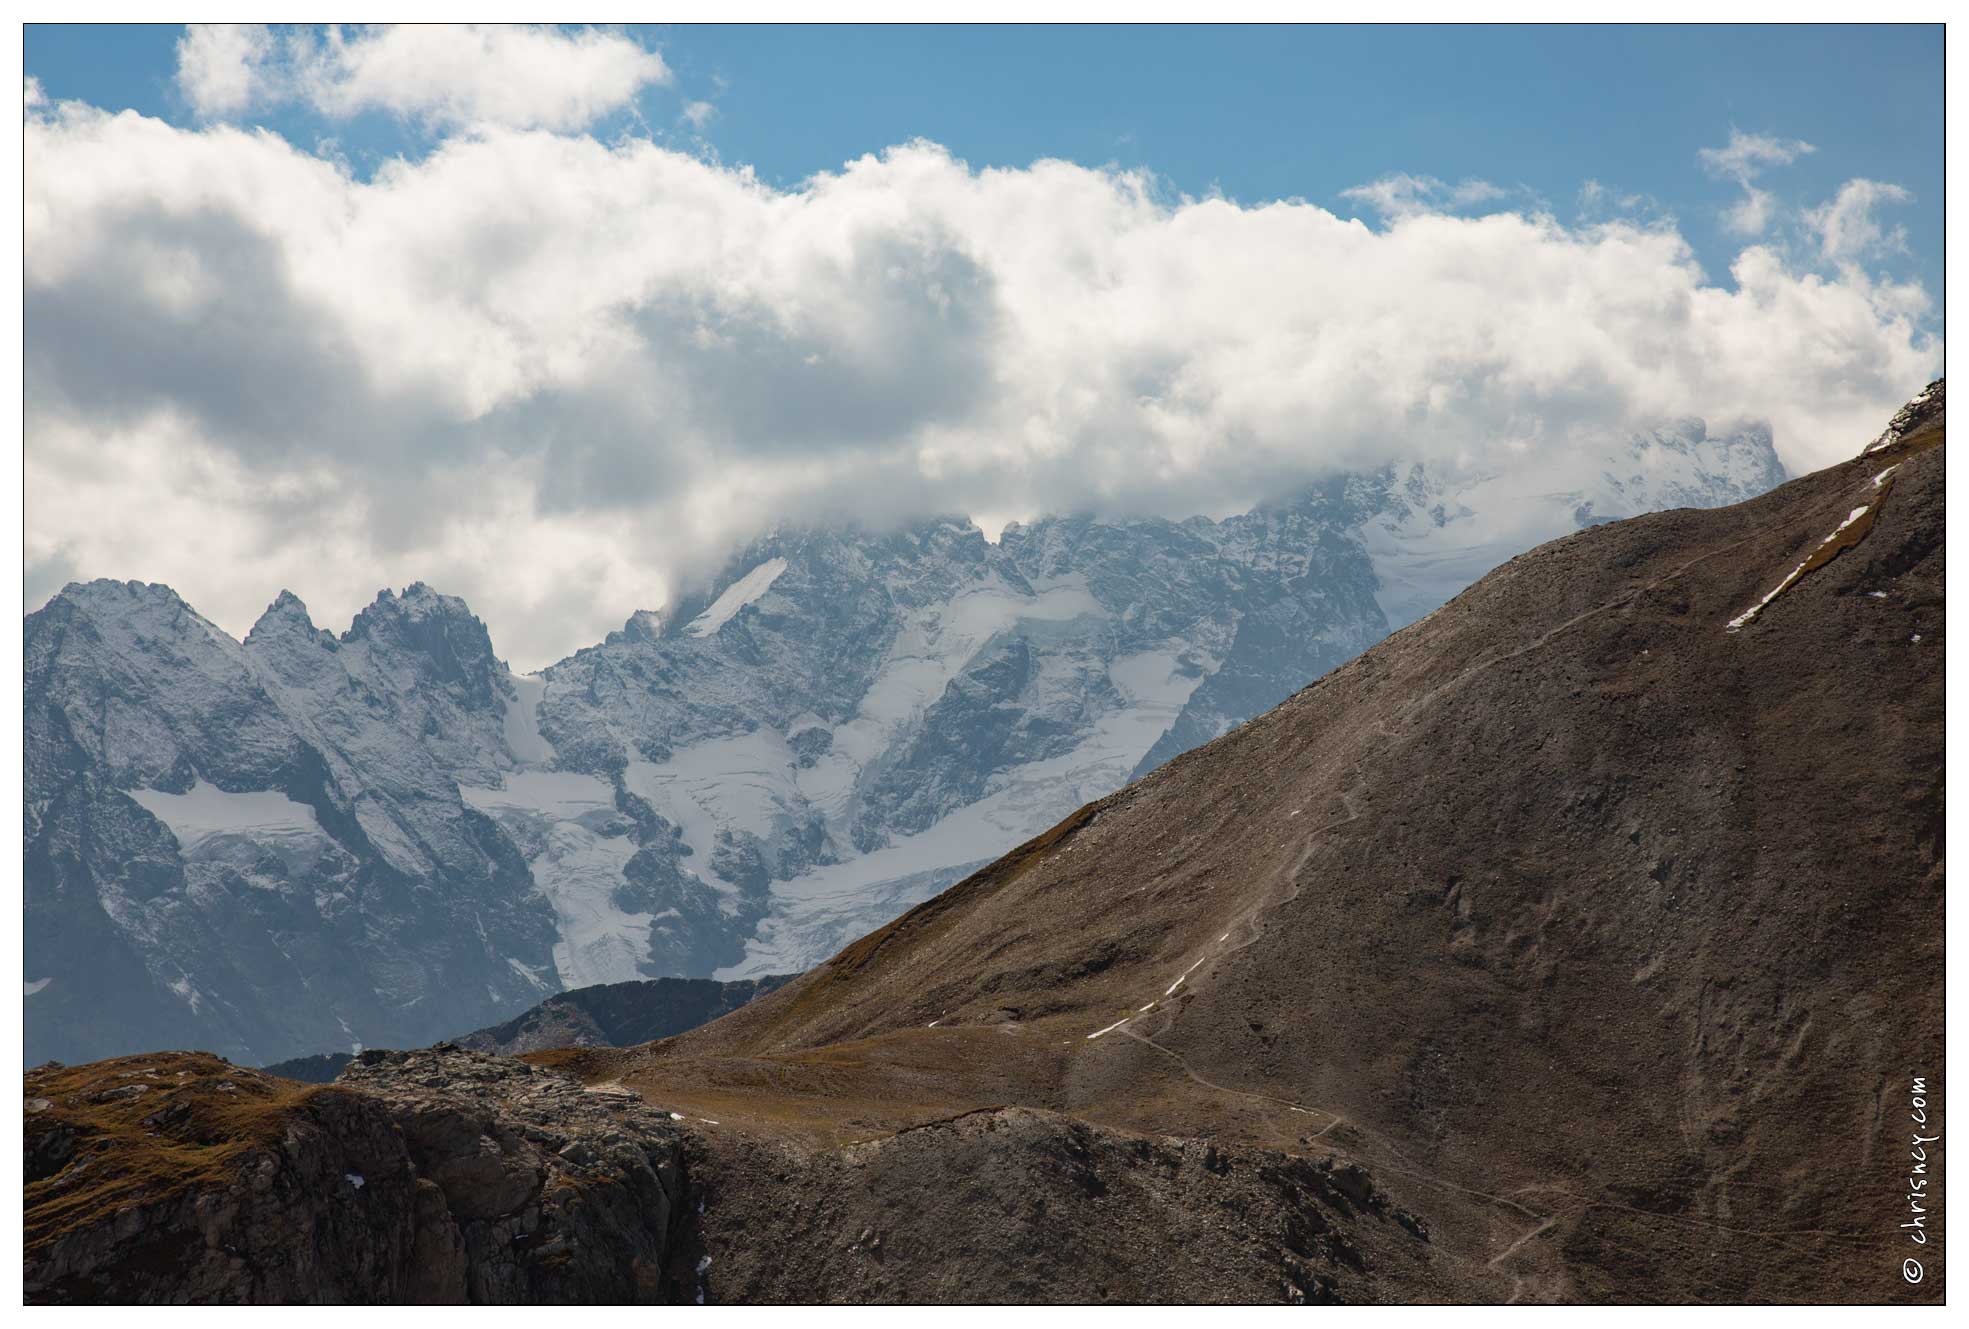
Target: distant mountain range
303,841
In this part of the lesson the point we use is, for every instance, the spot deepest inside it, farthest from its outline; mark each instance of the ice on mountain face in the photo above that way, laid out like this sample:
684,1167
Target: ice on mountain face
522,721
532,974
207,811
799,934
935,644
549,795
580,873
182,986
286,798
738,595
581,846
743,784
818,911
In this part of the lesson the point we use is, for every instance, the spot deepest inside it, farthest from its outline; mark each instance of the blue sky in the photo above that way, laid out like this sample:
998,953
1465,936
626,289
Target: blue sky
1258,113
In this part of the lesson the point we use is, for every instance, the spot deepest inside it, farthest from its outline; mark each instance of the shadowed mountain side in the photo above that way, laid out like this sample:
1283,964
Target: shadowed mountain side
619,1014
606,1015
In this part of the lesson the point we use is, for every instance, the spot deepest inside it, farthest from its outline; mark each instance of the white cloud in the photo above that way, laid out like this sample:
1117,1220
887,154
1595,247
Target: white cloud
1746,156
1743,159
699,114
222,67
1845,226
32,93
1751,215
1403,195
444,75
557,376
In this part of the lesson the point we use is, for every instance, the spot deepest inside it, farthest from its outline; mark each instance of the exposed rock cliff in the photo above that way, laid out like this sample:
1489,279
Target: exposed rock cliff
436,1176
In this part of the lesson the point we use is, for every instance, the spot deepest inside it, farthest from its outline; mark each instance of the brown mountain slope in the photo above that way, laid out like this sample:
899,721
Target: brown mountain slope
1606,937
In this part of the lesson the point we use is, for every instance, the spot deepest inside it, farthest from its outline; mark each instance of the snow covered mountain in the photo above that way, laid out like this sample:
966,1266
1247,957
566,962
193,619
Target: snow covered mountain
301,841
260,846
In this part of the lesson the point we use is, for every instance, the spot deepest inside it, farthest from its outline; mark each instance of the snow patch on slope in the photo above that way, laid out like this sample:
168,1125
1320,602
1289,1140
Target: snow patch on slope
207,811
553,795
522,721
738,595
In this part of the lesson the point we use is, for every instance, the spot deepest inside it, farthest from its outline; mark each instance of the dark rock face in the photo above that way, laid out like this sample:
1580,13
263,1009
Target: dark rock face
1015,1205
446,1176
439,1176
322,1068
556,1194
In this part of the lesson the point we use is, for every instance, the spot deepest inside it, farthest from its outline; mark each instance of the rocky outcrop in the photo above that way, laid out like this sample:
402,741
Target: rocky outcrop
1018,1205
434,1176
446,1176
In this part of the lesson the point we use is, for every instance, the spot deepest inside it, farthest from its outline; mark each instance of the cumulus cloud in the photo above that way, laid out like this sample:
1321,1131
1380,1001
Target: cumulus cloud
1845,225
223,67
562,377
444,75
1743,159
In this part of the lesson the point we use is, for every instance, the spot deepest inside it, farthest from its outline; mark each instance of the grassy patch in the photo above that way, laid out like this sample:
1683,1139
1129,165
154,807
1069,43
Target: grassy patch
143,1130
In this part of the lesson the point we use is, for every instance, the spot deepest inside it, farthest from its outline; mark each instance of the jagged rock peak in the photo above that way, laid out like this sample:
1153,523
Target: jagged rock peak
1923,410
439,629
418,601
287,616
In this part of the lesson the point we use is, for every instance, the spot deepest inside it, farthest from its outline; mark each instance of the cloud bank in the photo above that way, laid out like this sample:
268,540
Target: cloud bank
559,377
